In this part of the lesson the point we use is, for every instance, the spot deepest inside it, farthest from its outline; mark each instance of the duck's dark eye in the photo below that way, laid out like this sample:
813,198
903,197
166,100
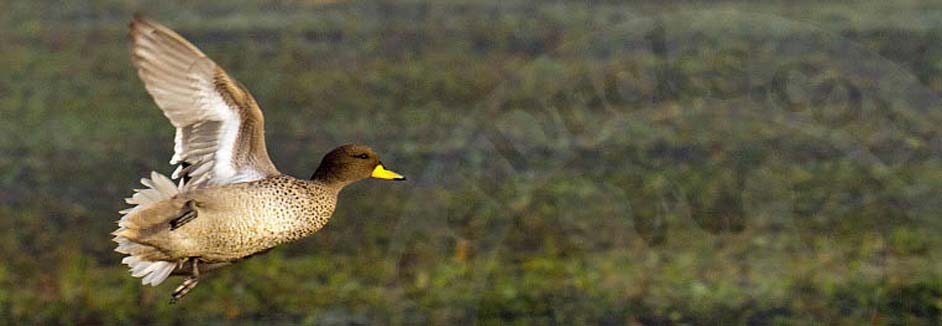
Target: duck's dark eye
362,156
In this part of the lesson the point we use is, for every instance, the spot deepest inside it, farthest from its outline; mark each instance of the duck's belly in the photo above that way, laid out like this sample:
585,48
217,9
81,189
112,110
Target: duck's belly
251,220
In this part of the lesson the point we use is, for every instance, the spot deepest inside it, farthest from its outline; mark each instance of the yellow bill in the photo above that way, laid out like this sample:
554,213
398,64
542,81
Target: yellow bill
380,172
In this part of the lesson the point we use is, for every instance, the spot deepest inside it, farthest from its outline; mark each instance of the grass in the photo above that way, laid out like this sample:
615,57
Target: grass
641,163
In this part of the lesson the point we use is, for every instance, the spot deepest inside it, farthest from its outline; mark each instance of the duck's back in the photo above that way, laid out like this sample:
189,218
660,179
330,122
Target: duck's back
238,220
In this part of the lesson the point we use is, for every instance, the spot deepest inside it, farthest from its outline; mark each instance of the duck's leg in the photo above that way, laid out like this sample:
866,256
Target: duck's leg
188,284
185,217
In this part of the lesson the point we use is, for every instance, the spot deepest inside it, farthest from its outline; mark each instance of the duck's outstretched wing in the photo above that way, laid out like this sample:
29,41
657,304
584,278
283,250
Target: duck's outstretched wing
220,135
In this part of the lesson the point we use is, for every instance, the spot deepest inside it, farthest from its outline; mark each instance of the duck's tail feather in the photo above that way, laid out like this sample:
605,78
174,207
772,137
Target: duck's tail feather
153,272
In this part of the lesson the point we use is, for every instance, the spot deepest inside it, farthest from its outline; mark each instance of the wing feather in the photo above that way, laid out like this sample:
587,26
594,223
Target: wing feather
220,135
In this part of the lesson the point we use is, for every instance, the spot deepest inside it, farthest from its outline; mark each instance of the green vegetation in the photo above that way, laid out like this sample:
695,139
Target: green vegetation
641,163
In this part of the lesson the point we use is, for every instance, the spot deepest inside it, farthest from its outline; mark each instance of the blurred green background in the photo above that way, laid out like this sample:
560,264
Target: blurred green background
608,163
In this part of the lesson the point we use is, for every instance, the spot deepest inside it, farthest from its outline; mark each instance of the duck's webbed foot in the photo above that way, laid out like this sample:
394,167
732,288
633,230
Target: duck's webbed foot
188,284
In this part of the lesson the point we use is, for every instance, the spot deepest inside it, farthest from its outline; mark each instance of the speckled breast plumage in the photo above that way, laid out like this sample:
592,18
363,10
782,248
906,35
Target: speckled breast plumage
239,220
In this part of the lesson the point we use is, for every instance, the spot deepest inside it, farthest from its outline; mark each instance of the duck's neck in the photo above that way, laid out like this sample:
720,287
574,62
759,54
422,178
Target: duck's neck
329,181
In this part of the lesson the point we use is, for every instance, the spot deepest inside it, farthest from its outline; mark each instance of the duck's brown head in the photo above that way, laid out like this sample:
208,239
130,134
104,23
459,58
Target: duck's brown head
350,163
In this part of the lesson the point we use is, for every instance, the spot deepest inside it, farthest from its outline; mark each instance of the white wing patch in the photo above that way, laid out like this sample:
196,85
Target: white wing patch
207,146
